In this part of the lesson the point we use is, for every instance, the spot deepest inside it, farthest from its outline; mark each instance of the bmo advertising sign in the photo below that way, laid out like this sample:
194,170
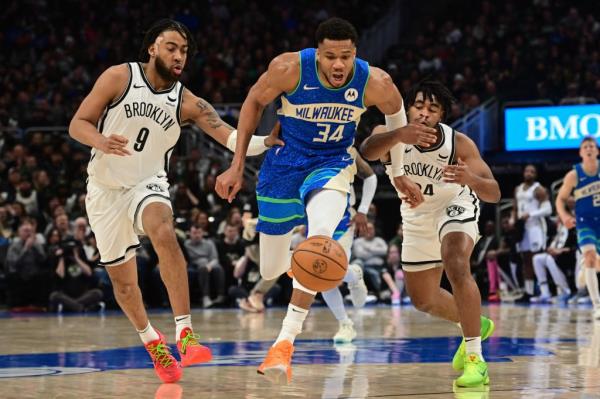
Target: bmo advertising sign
550,128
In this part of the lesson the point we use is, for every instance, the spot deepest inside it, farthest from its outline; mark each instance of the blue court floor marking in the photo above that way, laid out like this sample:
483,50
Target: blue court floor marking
319,351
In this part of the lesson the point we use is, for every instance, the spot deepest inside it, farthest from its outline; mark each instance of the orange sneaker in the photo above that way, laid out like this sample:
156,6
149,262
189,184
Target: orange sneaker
165,365
278,362
190,350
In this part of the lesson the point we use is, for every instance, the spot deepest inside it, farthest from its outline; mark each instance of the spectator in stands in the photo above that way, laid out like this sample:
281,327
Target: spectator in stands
371,251
26,271
204,258
484,265
230,249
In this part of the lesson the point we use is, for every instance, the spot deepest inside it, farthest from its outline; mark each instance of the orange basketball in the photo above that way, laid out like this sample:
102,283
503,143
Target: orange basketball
319,263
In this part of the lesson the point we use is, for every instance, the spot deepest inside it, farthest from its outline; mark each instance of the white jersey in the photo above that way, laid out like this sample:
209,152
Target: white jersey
527,203
425,166
150,119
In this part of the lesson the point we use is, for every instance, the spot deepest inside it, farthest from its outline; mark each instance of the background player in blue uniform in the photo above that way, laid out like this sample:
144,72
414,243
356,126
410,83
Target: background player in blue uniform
584,178
323,92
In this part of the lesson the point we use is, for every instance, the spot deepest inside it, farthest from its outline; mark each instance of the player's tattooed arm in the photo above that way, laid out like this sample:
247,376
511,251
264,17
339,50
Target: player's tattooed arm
200,112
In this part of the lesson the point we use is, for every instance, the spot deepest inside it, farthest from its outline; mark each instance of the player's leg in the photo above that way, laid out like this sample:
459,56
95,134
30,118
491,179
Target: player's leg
588,239
539,266
157,222
325,209
423,287
456,251
124,280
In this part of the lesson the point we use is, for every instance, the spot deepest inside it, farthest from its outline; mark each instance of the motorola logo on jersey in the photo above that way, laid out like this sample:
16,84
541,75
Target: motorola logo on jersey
542,128
351,95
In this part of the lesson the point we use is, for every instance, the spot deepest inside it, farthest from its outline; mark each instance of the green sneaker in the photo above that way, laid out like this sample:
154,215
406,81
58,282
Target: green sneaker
487,328
475,372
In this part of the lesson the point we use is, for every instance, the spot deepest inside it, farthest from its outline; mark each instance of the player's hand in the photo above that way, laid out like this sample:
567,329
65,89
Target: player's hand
114,144
569,222
360,223
229,183
411,193
273,138
459,174
417,134
524,216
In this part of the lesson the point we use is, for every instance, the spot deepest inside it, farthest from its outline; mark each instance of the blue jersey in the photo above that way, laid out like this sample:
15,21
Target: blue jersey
321,121
587,194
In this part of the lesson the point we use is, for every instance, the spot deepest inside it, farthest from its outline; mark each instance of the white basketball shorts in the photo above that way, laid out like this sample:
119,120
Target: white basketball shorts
115,216
424,231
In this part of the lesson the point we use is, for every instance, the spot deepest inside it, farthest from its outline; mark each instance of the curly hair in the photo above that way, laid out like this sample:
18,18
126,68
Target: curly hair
161,26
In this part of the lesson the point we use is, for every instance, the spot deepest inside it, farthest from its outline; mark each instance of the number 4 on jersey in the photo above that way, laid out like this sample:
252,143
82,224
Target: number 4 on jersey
428,189
324,135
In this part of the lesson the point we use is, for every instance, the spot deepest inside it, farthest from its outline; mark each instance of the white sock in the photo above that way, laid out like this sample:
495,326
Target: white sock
544,290
591,282
351,277
148,334
292,323
473,345
529,286
181,322
335,302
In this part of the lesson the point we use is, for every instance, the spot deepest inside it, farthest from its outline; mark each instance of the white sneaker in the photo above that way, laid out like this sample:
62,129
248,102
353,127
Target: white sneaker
346,333
358,290
597,313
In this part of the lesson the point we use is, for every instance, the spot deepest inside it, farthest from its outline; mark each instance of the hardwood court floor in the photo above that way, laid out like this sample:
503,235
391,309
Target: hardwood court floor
536,352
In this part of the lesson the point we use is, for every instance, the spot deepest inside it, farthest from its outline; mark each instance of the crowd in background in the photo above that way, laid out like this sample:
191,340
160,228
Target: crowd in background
50,57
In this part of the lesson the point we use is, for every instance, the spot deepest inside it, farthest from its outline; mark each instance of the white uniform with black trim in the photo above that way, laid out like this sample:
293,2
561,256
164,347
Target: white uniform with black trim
535,229
120,187
448,207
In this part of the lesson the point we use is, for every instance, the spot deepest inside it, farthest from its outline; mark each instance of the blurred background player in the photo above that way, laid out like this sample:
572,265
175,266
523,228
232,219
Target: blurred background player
584,178
441,229
323,93
531,206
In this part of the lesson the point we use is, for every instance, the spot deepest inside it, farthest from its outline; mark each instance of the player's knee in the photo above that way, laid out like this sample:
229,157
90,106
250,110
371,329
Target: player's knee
457,270
124,290
423,303
163,235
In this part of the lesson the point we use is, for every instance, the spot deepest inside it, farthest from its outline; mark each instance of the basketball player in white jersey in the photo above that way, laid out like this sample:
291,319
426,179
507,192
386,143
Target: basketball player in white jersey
441,231
132,120
530,208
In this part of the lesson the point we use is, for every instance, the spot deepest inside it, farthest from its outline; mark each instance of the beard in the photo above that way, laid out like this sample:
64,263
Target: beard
164,72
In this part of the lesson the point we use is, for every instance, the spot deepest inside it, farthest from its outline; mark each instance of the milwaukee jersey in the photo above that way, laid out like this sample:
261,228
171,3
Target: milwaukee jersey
587,193
150,120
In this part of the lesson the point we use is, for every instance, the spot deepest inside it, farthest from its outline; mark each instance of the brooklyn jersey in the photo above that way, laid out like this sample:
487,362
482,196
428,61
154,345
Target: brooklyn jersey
425,167
317,120
528,203
150,120
587,193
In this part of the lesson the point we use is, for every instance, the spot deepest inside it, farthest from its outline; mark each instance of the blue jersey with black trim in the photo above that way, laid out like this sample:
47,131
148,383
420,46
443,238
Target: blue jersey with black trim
587,193
321,121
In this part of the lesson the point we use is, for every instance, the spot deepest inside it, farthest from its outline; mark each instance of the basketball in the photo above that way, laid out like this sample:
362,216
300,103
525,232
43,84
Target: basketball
319,263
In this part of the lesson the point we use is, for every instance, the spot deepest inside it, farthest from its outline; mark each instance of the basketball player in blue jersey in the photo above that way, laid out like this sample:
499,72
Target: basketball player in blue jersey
132,120
584,178
323,93
440,232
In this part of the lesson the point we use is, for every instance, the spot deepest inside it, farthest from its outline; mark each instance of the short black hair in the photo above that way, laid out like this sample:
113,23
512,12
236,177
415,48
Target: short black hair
336,29
588,138
163,25
431,89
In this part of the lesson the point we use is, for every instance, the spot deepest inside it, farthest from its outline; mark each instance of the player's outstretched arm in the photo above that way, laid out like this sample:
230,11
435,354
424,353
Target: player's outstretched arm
383,93
471,170
109,87
569,183
282,75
